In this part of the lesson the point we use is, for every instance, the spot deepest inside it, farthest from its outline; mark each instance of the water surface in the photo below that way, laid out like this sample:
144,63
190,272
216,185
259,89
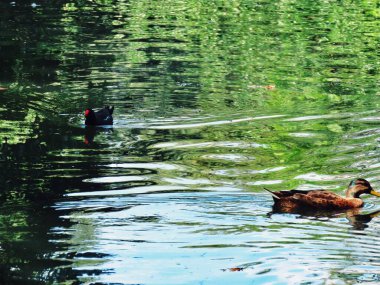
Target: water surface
213,102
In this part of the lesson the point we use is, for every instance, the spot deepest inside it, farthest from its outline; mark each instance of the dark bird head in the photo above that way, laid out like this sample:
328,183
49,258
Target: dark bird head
87,112
90,117
358,187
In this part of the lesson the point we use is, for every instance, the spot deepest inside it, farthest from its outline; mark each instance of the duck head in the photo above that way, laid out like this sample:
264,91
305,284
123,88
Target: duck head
358,187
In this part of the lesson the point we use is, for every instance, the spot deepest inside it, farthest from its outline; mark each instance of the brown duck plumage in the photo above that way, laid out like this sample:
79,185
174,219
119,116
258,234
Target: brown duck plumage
293,200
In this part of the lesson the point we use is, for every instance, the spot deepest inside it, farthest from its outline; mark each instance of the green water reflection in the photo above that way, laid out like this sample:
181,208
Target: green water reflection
211,98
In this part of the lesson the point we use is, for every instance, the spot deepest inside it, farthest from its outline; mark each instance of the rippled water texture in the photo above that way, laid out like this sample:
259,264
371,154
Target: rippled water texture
214,100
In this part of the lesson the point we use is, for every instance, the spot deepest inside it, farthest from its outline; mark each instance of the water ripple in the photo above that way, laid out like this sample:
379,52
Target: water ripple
147,165
215,123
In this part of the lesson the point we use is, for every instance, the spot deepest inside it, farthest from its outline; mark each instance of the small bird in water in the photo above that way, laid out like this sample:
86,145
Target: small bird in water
298,200
99,117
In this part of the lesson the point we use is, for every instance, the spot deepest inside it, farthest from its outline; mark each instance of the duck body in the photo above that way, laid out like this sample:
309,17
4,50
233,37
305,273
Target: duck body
298,200
99,117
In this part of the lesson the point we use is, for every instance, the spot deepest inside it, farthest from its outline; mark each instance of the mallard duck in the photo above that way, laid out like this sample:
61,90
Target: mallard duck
293,200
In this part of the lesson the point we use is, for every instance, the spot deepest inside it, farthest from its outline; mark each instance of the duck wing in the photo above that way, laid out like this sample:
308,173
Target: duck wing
322,199
290,193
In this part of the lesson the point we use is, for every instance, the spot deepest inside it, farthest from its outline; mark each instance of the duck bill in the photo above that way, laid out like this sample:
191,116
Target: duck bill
374,193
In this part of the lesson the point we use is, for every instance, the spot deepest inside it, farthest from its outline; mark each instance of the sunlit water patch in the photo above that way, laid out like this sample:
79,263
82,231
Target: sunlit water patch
187,238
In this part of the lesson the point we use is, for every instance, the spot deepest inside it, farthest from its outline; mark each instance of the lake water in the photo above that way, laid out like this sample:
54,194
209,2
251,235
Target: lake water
214,101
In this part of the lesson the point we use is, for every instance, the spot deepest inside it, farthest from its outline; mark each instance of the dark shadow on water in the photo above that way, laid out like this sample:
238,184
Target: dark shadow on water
31,149
33,248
